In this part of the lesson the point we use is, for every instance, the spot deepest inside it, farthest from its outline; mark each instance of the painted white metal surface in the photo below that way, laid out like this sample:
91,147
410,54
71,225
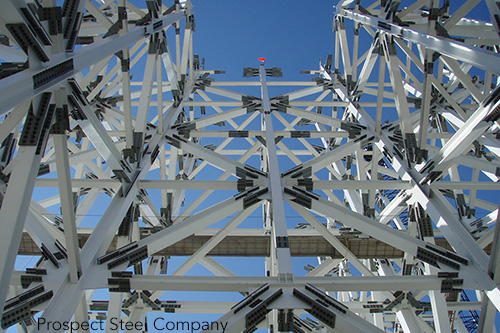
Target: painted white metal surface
145,148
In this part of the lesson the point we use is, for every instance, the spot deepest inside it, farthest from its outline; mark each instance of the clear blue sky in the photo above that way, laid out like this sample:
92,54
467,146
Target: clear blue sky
293,35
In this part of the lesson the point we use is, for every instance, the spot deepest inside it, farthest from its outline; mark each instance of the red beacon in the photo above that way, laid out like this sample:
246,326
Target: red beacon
262,59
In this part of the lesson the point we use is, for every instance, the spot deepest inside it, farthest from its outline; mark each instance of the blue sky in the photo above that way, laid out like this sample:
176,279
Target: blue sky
293,35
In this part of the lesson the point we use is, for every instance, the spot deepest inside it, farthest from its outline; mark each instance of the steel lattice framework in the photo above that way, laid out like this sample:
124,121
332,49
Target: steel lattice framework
120,151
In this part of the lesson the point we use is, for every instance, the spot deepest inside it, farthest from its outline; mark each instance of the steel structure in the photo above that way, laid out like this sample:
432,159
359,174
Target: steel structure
120,151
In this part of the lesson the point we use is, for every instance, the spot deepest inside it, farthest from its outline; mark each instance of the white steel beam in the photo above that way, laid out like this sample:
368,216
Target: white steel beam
67,207
453,49
279,232
19,87
17,198
244,284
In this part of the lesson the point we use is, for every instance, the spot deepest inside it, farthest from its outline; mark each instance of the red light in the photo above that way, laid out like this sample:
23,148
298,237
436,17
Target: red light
262,59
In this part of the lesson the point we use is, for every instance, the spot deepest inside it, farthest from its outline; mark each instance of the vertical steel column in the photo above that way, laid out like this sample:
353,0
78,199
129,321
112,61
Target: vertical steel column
16,201
283,256
488,310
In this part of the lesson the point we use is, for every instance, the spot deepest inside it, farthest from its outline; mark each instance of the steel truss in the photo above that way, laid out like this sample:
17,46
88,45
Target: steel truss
120,151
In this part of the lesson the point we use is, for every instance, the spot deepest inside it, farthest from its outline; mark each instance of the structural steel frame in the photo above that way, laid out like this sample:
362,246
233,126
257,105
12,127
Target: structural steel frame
107,112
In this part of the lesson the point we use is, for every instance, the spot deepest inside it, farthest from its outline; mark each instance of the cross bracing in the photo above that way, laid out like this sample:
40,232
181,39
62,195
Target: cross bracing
126,164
